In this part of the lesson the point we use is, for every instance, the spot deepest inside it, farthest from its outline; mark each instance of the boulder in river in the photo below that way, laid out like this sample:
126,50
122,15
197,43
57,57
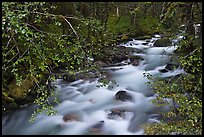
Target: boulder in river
69,77
135,63
70,117
171,66
163,70
116,114
145,43
97,129
163,42
123,96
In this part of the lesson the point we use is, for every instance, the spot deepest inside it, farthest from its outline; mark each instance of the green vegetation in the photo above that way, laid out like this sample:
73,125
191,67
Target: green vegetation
41,38
119,25
185,89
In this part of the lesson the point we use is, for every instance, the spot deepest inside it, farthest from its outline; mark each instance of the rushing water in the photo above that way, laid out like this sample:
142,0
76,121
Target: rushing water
91,106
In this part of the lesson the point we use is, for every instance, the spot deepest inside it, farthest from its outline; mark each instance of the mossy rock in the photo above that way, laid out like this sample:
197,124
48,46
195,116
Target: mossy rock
144,37
163,42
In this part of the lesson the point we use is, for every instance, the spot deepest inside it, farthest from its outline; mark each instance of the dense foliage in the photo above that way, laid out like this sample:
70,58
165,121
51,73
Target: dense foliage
35,47
185,90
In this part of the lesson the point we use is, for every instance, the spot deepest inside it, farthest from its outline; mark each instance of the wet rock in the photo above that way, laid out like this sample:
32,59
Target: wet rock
92,101
145,43
116,114
163,42
123,96
119,58
163,70
132,58
97,129
100,63
68,77
71,117
148,40
135,63
118,64
171,66
175,133
116,69
86,75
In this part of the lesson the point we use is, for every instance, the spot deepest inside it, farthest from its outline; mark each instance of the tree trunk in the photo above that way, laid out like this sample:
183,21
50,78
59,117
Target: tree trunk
117,11
107,11
189,19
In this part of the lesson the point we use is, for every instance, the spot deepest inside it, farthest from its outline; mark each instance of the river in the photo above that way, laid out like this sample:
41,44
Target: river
86,109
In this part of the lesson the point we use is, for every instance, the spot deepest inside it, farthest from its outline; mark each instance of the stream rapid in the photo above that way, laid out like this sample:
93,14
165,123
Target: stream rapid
86,109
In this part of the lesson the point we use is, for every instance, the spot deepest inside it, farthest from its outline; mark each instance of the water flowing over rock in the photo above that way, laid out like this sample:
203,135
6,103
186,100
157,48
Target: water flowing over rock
123,96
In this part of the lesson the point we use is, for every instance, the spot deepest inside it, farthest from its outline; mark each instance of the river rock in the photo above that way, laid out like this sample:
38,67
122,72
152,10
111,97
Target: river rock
148,40
70,117
171,66
163,70
132,58
68,77
100,63
145,43
119,58
97,129
175,133
123,96
116,114
163,42
135,63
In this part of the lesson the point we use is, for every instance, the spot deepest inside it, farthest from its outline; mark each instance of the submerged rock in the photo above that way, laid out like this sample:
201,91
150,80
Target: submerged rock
71,117
123,96
135,63
97,129
116,114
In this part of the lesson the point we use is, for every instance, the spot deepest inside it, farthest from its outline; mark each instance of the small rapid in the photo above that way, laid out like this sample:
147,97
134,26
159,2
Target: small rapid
87,109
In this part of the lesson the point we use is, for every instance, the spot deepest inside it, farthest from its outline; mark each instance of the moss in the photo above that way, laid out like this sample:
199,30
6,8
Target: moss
163,42
20,92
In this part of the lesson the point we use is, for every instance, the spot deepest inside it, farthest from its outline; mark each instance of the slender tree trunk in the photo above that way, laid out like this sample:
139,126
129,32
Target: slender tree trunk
117,11
107,13
189,19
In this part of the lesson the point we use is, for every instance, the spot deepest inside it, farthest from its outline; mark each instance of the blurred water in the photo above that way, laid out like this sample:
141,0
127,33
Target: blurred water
91,104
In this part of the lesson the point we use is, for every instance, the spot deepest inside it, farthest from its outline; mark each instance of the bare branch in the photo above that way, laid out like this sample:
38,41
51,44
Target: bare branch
54,15
8,42
71,27
12,58
9,50
190,53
